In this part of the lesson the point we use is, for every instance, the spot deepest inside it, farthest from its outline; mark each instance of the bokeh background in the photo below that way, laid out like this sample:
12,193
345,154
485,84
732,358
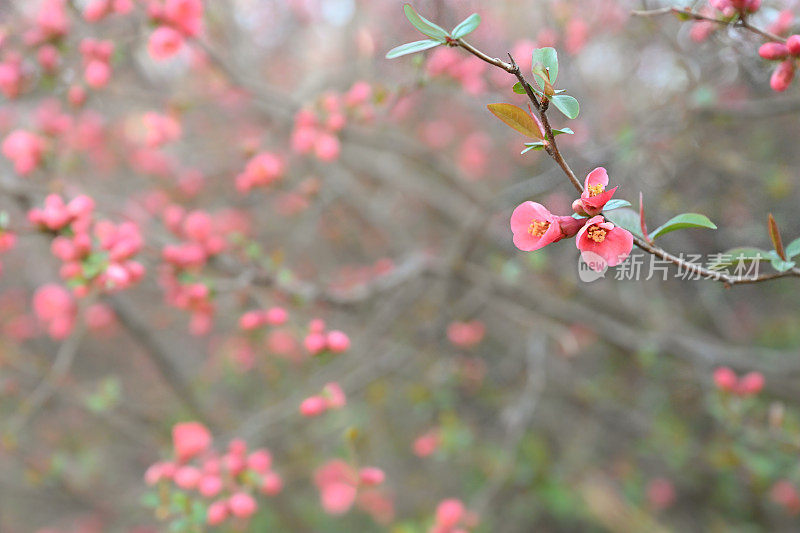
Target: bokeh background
543,403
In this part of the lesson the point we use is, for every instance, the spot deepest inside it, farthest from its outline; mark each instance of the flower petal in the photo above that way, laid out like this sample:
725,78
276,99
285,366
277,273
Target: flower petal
527,212
598,176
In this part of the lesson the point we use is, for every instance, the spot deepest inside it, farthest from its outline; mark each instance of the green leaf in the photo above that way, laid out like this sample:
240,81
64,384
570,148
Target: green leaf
424,25
518,88
682,221
516,118
780,265
467,26
616,204
410,48
568,131
626,218
532,146
547,58
793,248
566,104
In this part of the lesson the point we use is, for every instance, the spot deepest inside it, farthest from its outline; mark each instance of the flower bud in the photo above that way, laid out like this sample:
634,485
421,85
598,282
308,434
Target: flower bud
773,51
782,76
793,44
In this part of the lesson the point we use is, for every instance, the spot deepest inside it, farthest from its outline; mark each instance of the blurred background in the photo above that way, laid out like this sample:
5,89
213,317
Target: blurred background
268,156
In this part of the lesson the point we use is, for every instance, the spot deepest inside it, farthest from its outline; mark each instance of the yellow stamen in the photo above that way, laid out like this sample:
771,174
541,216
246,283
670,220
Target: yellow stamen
538,228
594,190
597,234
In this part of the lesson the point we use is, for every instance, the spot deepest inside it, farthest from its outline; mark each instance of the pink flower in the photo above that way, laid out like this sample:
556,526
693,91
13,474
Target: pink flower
210,486
242,505
334,396
185,15
750,384
600,237
785,494
261,170
217,513
327,147
427,443
271,484
187,477
466,334
55,307
449,513
313,406
337,498
190,439
337,341
660,493
164,43
276,316
371,475
594,195
337,482
260,461
725,379
97,74
534,227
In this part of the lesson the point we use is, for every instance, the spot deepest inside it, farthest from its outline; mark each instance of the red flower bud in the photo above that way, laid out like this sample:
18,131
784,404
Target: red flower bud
773,51
793,44
782,76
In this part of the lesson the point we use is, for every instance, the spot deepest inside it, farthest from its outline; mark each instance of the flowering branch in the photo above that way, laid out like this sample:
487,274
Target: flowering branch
545,228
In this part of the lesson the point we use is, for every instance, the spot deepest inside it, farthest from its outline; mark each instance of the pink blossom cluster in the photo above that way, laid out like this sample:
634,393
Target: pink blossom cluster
95,253
227,482
96,62
203,237
316,129
453,517
318,340
262,170
534,227
788,55
750,384
332,397
177,20
341,486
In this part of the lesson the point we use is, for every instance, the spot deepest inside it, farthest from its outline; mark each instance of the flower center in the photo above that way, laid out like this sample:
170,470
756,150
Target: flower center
538,227
597,234
594,190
